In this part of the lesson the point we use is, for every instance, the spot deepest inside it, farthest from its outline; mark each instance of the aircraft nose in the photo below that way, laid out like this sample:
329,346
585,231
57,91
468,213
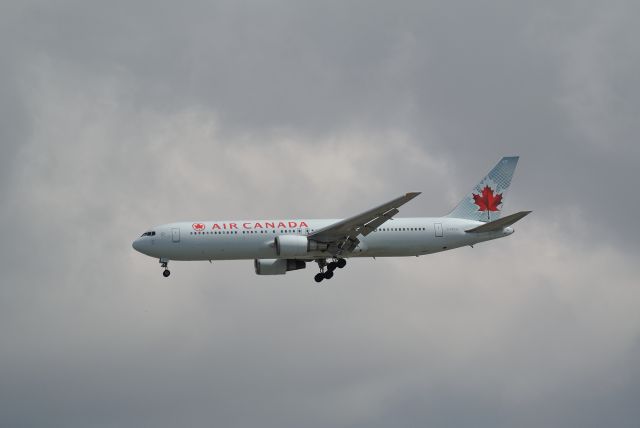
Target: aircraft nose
136,245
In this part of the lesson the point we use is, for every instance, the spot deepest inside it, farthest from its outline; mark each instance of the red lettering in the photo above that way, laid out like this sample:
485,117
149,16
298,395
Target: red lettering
303,224
281,224
233,226
270,225
258,226
246,225
292,224
215,226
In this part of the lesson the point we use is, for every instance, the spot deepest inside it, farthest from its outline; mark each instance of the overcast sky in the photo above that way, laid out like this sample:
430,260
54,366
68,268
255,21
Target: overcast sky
117,116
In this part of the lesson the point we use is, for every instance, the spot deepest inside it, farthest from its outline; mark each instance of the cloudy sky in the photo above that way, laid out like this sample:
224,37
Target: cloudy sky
116,116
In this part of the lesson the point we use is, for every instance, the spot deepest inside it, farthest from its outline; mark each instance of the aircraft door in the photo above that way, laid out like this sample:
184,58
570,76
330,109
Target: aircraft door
438,229
175,235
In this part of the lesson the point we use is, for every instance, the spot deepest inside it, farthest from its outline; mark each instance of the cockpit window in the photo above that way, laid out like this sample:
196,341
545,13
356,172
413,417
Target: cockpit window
152,233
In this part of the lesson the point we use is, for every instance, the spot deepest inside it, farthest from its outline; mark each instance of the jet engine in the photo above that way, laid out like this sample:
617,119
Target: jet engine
277,266
296,246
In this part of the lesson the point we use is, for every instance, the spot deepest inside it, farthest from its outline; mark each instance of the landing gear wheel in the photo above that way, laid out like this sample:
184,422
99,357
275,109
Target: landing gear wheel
163,264
332,266
319,277
341,263
328,274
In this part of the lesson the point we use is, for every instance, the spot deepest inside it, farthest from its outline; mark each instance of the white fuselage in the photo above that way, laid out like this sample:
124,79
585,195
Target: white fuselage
254,239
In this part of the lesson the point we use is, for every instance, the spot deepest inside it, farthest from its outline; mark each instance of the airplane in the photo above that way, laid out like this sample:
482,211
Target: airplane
278,246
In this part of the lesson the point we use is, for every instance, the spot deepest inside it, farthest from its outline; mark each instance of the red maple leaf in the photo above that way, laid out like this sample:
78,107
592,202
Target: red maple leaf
487,201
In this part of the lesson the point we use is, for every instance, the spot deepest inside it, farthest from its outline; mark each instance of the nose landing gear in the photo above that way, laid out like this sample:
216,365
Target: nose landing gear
164,263
326,269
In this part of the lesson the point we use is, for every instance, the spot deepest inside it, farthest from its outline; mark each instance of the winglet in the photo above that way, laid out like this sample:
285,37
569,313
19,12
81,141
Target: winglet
498,225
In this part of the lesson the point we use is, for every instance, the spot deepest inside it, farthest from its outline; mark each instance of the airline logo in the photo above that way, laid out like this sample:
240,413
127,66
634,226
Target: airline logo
249,225
487,200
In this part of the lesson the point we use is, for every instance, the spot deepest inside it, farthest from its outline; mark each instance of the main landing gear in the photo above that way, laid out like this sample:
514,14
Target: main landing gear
164,263
326,269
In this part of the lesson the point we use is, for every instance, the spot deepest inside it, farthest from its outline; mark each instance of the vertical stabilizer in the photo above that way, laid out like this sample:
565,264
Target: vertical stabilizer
485,201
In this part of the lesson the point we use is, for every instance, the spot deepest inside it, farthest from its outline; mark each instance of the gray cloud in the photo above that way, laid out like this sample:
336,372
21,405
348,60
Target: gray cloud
117,117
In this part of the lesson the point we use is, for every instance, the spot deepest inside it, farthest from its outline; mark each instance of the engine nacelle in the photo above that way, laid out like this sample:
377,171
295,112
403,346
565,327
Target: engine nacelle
277,266
296,246
291,245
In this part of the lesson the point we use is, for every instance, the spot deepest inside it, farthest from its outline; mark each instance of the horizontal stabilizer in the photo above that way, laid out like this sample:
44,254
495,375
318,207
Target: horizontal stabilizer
498,225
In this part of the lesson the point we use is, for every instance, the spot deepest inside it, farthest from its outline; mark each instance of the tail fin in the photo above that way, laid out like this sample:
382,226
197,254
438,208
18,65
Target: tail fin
485,201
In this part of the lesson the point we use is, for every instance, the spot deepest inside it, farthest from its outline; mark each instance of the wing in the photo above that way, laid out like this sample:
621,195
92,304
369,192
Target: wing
343,235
